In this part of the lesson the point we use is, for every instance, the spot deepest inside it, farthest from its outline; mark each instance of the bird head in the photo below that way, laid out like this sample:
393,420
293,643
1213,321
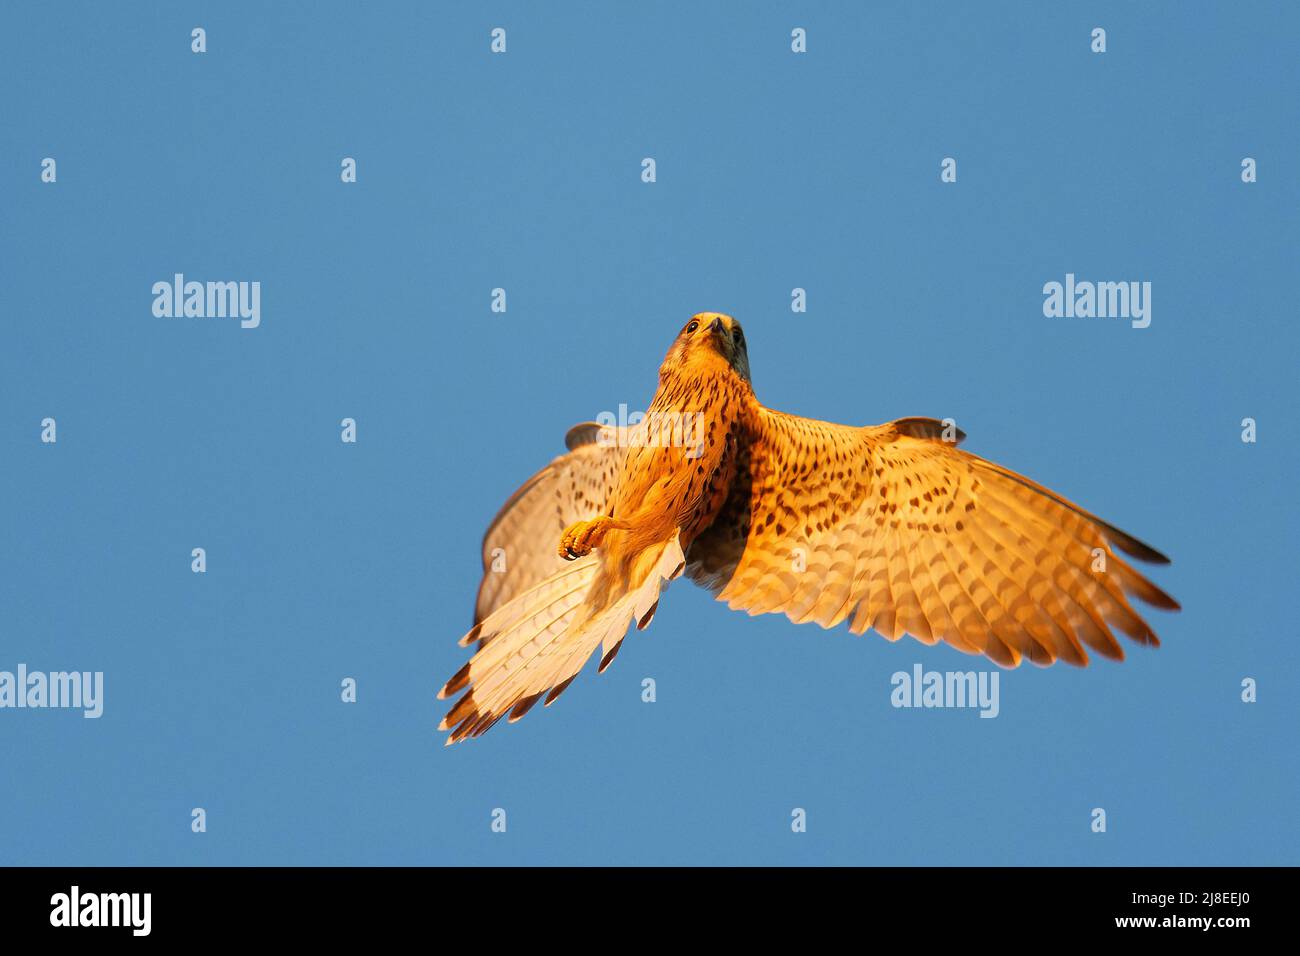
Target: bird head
707,338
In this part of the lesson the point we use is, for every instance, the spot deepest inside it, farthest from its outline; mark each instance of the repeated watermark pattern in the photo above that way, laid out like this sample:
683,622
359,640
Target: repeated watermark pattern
36,690
1102,300
239,301
654,429
946,689
209,300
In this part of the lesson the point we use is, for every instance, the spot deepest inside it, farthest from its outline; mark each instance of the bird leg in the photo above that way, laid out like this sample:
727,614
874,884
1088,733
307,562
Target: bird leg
581,537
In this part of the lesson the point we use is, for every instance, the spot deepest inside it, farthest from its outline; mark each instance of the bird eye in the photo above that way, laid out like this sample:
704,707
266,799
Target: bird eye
692,327
740,336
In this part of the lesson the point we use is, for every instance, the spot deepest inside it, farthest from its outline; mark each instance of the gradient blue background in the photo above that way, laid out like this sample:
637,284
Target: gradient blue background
523,171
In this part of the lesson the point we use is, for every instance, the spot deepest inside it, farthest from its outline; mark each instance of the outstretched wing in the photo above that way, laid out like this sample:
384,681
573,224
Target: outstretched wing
519,547
895,528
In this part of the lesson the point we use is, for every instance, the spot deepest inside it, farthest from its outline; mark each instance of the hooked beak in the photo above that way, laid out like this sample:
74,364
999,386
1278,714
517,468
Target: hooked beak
717,327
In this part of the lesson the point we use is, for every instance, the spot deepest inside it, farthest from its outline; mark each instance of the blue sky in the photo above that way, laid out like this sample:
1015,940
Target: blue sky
522,171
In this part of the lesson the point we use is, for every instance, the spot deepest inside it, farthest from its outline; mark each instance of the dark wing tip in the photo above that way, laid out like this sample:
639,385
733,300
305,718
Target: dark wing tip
1132,546
930,429
584,433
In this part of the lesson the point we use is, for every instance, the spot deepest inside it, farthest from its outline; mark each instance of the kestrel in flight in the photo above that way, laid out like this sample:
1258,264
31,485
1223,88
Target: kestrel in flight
890,527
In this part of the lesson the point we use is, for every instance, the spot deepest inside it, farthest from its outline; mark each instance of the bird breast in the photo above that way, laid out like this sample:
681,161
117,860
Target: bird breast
681,459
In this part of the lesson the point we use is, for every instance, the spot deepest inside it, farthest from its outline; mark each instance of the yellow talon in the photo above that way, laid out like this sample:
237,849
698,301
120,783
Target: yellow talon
583,537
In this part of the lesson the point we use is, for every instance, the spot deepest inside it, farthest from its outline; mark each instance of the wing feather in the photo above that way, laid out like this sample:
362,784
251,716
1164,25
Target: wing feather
901,531
519,546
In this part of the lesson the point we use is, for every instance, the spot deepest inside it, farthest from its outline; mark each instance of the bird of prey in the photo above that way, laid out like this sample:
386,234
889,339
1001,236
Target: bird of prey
890,527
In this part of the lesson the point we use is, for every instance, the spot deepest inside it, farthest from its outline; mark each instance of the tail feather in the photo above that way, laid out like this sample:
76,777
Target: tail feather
537,643
514,611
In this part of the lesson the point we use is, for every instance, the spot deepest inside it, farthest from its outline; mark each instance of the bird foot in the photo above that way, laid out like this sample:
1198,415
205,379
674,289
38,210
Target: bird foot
582,537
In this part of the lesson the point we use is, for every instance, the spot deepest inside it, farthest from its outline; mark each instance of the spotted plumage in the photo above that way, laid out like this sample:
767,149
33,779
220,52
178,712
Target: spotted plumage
890,527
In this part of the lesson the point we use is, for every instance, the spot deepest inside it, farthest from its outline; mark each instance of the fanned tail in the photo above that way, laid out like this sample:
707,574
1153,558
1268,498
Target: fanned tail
536,644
